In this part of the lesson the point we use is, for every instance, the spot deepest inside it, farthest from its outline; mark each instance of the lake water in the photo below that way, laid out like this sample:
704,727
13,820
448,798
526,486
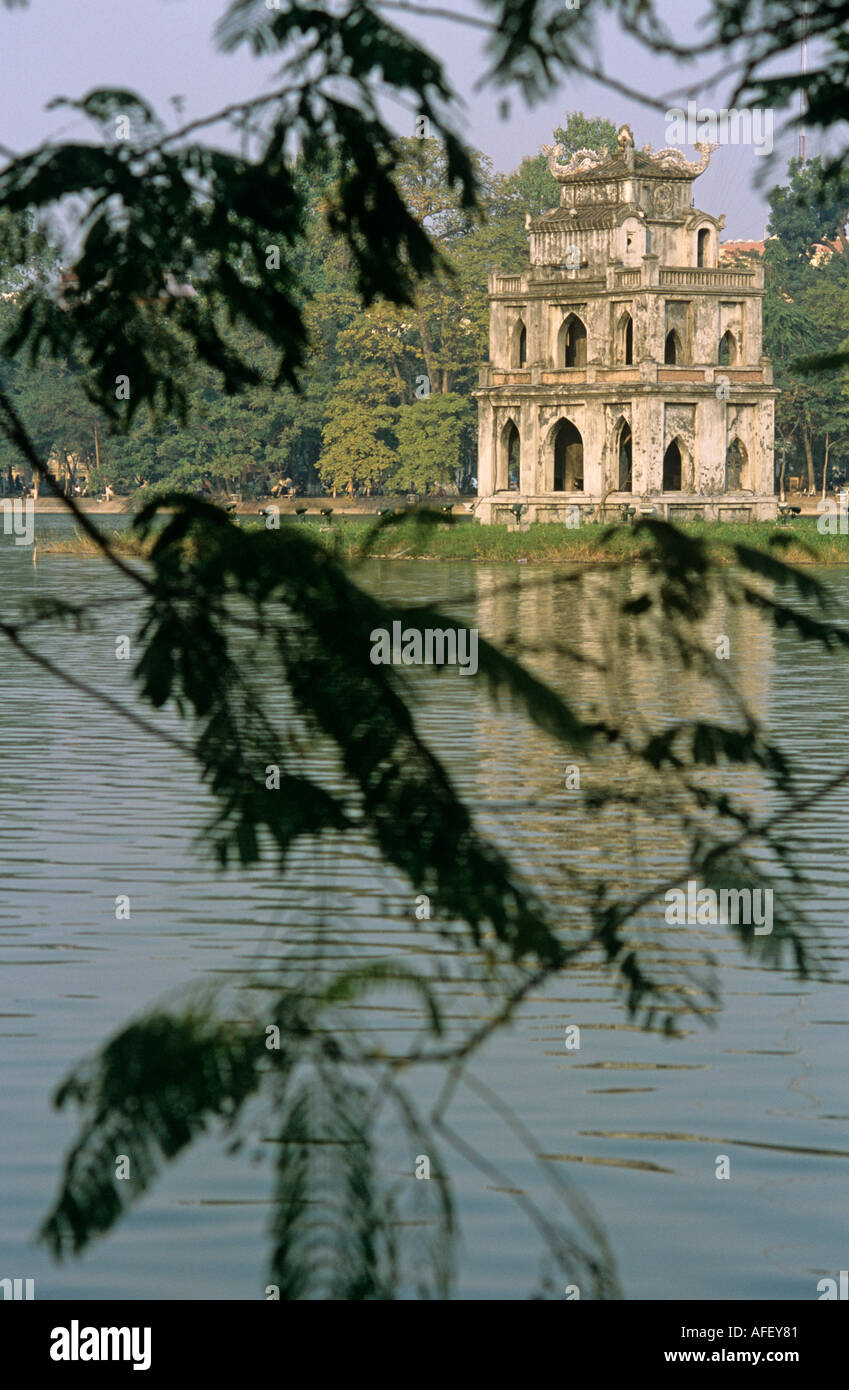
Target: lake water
90,810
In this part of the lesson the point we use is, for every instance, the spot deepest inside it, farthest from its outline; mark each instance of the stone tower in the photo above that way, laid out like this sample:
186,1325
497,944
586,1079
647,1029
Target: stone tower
625,365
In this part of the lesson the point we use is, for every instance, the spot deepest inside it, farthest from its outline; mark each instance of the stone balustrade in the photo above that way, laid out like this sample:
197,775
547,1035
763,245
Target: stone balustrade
648,275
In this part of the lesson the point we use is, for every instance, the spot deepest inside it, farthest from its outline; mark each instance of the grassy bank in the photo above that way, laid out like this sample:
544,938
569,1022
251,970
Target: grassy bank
546,542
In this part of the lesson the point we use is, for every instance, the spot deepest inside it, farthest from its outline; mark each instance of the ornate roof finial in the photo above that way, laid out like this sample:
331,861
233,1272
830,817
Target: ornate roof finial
625,142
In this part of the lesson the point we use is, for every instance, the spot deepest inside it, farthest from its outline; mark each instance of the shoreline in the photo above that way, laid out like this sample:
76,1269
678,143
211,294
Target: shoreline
543,543
360,507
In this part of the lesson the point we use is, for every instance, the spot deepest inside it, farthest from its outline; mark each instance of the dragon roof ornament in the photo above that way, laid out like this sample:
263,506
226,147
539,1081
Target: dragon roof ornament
579,162
670,158
673,159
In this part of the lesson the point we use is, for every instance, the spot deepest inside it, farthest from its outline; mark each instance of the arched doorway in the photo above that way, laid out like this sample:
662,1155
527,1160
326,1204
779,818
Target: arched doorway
672,468
511,457
624,457
736,466
568,458
703,246
573,342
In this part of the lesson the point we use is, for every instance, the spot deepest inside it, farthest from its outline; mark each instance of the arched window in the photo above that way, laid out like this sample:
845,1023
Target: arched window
727,349
672,348
511,456
703,246
672,468
624,457
518,345
568,458
573,342
625,339
736,467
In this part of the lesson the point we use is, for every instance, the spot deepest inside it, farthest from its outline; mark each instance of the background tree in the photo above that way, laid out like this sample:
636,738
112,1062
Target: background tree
805,310
358,436
436,444
580,132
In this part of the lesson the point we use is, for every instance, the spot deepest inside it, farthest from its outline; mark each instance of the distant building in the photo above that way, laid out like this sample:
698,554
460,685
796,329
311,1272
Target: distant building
822,250
729,249
626,365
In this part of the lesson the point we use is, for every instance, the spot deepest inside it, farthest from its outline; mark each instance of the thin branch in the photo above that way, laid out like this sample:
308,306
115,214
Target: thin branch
579,1205
73,611
15,432
764,827
615,85
438,12
235,108
11,632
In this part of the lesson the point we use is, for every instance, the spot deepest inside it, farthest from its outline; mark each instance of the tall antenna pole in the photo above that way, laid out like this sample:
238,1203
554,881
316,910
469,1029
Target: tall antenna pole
803,95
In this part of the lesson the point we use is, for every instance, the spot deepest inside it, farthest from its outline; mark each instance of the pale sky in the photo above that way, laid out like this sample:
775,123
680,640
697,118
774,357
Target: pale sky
163,48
